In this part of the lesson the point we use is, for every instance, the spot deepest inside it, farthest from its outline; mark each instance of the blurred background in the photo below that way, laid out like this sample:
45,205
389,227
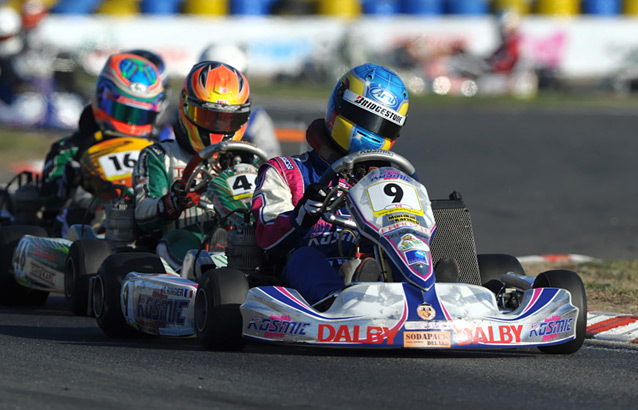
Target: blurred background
51,50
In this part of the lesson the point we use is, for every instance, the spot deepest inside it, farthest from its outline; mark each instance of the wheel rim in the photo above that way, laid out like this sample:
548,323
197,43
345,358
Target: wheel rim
201,310
69,278
98,297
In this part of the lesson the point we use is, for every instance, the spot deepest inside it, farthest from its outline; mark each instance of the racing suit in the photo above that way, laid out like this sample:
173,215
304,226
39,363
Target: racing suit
63,151
158,166
56,190
281,183
505,57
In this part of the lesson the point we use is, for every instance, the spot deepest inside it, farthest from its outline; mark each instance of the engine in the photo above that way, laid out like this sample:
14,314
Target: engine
242,250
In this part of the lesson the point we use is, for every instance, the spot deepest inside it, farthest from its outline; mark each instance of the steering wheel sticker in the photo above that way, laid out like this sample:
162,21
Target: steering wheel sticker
394,196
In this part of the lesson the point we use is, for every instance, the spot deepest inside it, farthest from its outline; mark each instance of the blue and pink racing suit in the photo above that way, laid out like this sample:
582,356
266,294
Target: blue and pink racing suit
312,267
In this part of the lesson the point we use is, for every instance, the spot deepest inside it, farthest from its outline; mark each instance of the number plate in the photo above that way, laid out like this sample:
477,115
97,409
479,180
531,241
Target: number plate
394,196
118,165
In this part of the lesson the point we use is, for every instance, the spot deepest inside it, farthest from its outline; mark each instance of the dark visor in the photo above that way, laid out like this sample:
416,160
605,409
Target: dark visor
126,113
217,118
368,120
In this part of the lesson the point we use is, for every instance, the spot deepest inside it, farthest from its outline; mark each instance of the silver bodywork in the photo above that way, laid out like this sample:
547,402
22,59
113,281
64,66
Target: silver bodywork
386,315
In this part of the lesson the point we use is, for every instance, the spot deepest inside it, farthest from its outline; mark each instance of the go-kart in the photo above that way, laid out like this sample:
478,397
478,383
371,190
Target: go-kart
32,264
411,306
140,292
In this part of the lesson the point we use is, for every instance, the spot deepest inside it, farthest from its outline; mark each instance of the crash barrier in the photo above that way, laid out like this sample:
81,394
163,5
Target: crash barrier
160,6
558,7
345,8
602,7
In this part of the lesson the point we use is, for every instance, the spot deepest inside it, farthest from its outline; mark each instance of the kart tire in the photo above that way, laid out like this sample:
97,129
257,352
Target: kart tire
84,258
11,293
108,285
493,265
218,321
568,280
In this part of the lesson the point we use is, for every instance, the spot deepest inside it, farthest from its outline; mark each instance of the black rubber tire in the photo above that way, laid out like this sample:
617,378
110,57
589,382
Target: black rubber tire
108,284
84,258
493,265
568,280
218,321
11,293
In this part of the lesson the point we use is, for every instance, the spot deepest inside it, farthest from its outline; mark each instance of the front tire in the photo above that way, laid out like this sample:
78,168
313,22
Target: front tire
568,280
218,321
84,259
108,285
11,292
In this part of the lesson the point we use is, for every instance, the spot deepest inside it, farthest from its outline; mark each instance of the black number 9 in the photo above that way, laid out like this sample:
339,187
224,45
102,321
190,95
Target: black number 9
395,191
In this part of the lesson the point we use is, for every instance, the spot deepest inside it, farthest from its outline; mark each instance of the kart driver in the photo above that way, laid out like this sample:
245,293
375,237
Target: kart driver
261,128
214,107
127,100
504,58
287,199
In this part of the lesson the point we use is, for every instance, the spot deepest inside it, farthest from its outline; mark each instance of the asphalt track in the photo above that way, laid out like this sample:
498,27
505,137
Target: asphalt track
536,182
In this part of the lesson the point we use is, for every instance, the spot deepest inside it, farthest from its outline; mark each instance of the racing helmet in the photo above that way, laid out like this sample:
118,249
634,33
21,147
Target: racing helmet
508,22
214,104
33,12
129,95
367,109
153,58
11,41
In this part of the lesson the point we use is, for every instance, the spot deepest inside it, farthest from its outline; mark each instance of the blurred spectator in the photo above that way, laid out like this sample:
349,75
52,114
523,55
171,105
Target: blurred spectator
29,96
505,57
261,128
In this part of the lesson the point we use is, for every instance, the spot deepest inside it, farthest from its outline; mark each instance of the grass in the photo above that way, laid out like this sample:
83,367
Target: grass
19,145
610,286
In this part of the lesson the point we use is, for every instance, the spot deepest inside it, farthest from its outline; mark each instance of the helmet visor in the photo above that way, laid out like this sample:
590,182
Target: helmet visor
370,115
126,113
217,118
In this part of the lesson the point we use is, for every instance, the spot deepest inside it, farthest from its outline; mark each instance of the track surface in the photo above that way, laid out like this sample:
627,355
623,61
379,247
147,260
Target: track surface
52,360
536,182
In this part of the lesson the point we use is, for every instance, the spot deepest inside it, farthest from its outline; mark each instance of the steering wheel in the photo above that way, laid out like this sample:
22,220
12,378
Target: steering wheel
345,166
199,165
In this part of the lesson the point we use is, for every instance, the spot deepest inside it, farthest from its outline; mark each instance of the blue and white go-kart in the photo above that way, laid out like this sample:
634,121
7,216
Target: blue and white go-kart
407,307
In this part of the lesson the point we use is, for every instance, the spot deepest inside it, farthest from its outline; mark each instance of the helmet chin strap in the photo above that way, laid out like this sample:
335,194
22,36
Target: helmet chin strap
320,141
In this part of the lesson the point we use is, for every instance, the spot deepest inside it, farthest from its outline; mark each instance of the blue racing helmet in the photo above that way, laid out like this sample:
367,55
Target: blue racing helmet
367,109
154,58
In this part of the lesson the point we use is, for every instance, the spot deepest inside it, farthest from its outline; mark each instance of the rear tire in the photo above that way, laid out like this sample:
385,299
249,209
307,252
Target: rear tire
84,259
568,280
108,285
11,293
218,321
493,265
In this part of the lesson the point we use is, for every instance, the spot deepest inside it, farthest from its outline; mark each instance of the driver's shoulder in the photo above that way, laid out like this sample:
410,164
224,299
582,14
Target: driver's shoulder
158,149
